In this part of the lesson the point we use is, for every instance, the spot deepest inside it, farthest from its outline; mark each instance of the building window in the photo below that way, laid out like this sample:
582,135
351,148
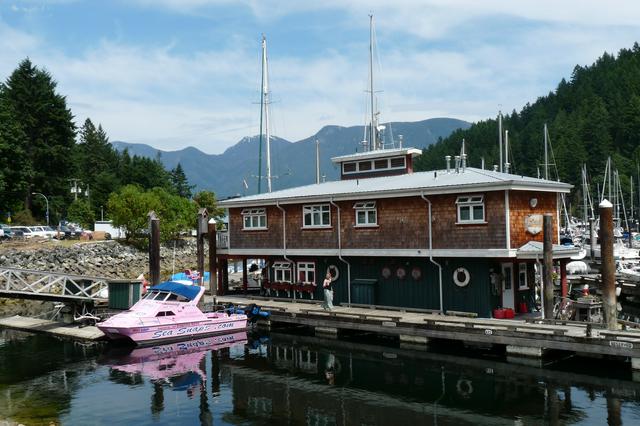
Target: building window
254,218
316,216
522,276
349,168
470,209
397,163
282,272
366,213
381,164
364,166
306,272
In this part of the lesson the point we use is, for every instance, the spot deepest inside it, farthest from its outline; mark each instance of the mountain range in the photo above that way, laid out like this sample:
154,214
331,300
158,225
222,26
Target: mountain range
292,163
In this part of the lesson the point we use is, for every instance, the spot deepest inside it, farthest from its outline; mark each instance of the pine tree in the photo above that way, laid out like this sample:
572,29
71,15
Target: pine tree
180,182
42,115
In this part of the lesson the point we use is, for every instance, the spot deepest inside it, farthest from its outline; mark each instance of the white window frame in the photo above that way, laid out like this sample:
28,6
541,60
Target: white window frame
522,272
470,202
372,164
307,268
368,208
251,219
312,210
282,272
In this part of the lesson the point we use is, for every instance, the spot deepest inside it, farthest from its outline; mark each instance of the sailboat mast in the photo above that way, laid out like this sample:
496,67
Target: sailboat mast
585,189
374,143
546,153
631,197
500,136
265,105
264,50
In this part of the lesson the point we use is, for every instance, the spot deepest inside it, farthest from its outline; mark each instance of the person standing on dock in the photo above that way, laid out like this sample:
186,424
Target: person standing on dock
327,285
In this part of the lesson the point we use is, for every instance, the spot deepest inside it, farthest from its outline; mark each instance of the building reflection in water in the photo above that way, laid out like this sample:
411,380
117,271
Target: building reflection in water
306,380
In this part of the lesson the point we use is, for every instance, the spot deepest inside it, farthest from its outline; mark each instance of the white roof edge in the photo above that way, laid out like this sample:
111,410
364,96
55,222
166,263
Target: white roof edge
377,153
413,192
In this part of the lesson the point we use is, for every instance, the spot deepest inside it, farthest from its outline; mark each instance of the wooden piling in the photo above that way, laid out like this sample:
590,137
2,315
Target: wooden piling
213,270
547,282
608,268
154,248
203,218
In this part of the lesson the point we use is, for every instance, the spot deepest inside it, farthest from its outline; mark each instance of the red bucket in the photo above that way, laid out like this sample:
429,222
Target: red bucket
522,307
498,313
508,313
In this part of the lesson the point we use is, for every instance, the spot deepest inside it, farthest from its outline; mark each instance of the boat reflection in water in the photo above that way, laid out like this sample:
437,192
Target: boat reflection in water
179,365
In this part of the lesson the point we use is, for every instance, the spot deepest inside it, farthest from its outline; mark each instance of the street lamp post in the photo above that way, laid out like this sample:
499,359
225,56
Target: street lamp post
46,200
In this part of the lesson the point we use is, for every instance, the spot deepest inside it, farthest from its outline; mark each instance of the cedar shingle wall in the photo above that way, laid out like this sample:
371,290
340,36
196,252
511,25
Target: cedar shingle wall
519,209
448,235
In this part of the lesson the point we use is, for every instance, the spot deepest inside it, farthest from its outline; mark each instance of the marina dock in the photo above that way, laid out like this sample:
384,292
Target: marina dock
519,337
54,328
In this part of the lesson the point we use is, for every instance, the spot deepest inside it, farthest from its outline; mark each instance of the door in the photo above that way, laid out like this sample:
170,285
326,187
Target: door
508,295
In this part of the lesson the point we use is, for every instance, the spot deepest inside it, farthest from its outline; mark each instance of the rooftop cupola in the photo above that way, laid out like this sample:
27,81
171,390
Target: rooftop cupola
375,163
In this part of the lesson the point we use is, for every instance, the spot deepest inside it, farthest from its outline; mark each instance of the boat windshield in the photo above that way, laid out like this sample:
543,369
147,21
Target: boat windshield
162,295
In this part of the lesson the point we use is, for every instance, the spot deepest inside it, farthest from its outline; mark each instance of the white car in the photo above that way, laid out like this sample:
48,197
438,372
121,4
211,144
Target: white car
26,232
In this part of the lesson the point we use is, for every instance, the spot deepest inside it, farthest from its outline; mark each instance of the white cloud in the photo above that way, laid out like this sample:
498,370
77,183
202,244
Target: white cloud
171,97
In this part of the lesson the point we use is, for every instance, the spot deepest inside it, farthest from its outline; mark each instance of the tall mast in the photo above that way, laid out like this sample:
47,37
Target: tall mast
500,136
264,50
546,153
374,142
265,105
585,188
631,184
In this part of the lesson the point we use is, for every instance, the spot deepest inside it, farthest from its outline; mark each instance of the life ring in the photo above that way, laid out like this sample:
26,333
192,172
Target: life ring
464,388
456,277
334,271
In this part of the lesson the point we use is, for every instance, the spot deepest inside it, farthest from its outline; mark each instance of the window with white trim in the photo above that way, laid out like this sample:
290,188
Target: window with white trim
522,276
316,216
282,272
254,218
306,272
470,209
366,213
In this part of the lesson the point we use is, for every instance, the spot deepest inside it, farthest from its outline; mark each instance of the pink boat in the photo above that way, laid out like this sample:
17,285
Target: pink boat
169,311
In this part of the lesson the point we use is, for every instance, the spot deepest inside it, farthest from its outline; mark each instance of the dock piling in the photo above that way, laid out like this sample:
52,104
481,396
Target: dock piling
547,282
154,248
608,269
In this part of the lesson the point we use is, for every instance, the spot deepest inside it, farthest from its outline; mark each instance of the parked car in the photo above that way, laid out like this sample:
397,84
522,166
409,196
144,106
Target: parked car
26,232
64,233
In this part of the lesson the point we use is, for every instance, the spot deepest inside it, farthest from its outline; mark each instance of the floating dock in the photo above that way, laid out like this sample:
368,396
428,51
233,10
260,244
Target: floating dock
54,328
524,338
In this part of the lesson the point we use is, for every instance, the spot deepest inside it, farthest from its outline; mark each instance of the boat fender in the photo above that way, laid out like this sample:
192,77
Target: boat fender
464,388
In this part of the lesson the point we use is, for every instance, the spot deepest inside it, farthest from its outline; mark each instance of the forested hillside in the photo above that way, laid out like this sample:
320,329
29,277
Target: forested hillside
43,154
593,115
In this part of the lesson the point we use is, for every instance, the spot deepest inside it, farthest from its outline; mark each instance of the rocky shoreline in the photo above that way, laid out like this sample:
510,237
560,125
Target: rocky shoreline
108,259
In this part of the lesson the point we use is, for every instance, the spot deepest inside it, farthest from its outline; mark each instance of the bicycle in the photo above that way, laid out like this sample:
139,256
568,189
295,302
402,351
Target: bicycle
563,309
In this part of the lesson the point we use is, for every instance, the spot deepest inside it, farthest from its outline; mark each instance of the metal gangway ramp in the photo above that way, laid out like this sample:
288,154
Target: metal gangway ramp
52,286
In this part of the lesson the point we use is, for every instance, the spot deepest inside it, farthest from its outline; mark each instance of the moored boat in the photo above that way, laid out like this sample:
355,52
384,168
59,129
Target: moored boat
169,311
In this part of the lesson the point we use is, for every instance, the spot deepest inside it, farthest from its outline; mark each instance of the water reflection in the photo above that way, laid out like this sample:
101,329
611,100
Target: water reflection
295,379
306,380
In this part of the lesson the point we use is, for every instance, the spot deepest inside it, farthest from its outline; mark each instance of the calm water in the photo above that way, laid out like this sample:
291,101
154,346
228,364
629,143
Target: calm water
295,379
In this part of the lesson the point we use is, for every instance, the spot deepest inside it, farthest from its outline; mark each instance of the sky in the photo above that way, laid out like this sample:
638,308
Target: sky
178,73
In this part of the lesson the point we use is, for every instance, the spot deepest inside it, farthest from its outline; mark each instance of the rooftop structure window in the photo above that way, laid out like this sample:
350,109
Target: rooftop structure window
254,218
366,213
282,272
470,209
381,164
397,163
349,168
316,216
364,166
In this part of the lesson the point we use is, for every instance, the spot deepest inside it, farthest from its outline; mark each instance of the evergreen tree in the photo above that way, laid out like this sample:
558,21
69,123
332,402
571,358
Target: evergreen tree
42,116
180,182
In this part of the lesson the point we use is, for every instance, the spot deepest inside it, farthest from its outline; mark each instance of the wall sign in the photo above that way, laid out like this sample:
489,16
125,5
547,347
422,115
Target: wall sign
533,223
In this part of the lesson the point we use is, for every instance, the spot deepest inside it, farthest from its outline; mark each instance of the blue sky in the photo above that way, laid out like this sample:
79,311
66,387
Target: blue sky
177,73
